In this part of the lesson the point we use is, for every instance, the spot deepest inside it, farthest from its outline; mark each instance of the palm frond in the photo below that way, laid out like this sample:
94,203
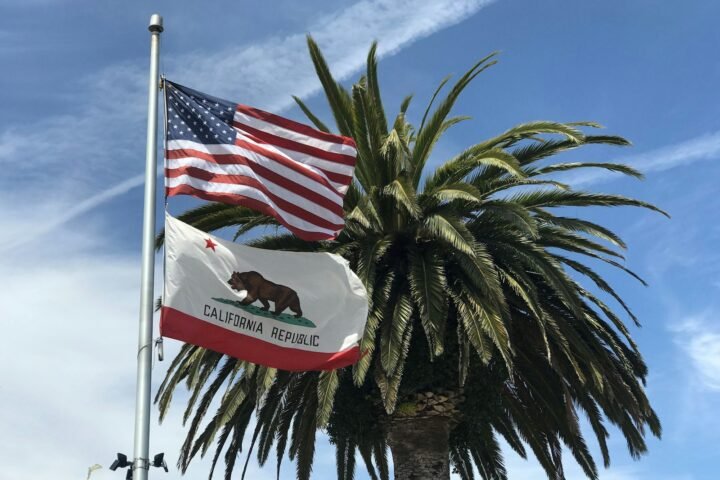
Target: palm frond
613,167
430,132
311,116
338,101
428,286
327,385
555,198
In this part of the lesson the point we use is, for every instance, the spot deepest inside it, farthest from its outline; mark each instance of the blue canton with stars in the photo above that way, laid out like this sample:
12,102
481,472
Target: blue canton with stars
198,117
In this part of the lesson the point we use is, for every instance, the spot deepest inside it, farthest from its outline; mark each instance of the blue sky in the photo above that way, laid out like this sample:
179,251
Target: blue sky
72,151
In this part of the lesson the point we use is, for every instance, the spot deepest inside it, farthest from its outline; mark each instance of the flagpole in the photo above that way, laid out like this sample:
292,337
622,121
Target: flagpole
141,452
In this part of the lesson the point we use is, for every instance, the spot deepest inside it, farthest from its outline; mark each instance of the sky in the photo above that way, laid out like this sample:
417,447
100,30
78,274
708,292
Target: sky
73,95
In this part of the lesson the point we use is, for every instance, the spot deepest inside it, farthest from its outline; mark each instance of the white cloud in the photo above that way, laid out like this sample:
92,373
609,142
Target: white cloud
519,468
698,149
705,353
267,74
67,359
102,144
67,363
699,337
70,300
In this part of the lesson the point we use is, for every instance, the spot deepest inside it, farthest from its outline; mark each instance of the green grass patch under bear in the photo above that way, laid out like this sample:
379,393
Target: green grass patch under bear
254,310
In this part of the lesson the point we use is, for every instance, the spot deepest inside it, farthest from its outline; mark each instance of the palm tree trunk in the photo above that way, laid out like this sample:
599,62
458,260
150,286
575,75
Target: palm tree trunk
419,447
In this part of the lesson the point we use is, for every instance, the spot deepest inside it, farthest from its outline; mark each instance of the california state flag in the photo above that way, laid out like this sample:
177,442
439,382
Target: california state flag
287,310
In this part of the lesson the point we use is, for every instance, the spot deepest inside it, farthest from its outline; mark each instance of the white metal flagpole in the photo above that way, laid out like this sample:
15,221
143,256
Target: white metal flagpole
141,452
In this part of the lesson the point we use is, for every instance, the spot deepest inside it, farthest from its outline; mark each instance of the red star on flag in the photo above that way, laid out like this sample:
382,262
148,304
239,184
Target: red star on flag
210,244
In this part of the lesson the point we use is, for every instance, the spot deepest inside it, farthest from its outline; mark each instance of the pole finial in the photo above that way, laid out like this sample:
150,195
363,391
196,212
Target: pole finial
156,23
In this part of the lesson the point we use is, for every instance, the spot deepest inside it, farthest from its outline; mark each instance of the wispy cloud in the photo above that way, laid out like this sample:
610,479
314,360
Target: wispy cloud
72,303
77,348
530,468
68,361
699,337
99,143
698,149
267,74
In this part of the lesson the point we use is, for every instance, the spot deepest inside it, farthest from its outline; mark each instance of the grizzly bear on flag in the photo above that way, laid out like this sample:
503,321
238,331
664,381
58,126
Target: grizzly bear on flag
258,288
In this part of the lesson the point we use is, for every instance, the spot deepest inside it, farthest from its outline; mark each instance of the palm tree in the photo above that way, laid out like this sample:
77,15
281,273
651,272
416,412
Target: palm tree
477,329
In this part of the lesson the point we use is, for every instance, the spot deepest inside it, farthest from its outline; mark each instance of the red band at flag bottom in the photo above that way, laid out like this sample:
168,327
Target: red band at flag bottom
181,326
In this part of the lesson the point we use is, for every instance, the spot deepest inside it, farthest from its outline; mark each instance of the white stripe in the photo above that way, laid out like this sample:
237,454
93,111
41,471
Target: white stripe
326,165
307,159
284,153
280,191
329,191
249,192
279,131
211,148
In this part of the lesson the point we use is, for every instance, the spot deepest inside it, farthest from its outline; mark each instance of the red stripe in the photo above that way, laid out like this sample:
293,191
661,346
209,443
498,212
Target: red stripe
295,126
181,326
288,206
270,139
266,174
235,199
335,177
283,160
229,158
232,159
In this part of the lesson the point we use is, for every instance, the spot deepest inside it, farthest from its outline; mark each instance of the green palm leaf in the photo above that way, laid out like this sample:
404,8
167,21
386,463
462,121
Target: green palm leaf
394,334
327,385
428,287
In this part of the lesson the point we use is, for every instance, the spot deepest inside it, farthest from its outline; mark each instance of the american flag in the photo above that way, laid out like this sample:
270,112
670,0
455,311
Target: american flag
231,153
